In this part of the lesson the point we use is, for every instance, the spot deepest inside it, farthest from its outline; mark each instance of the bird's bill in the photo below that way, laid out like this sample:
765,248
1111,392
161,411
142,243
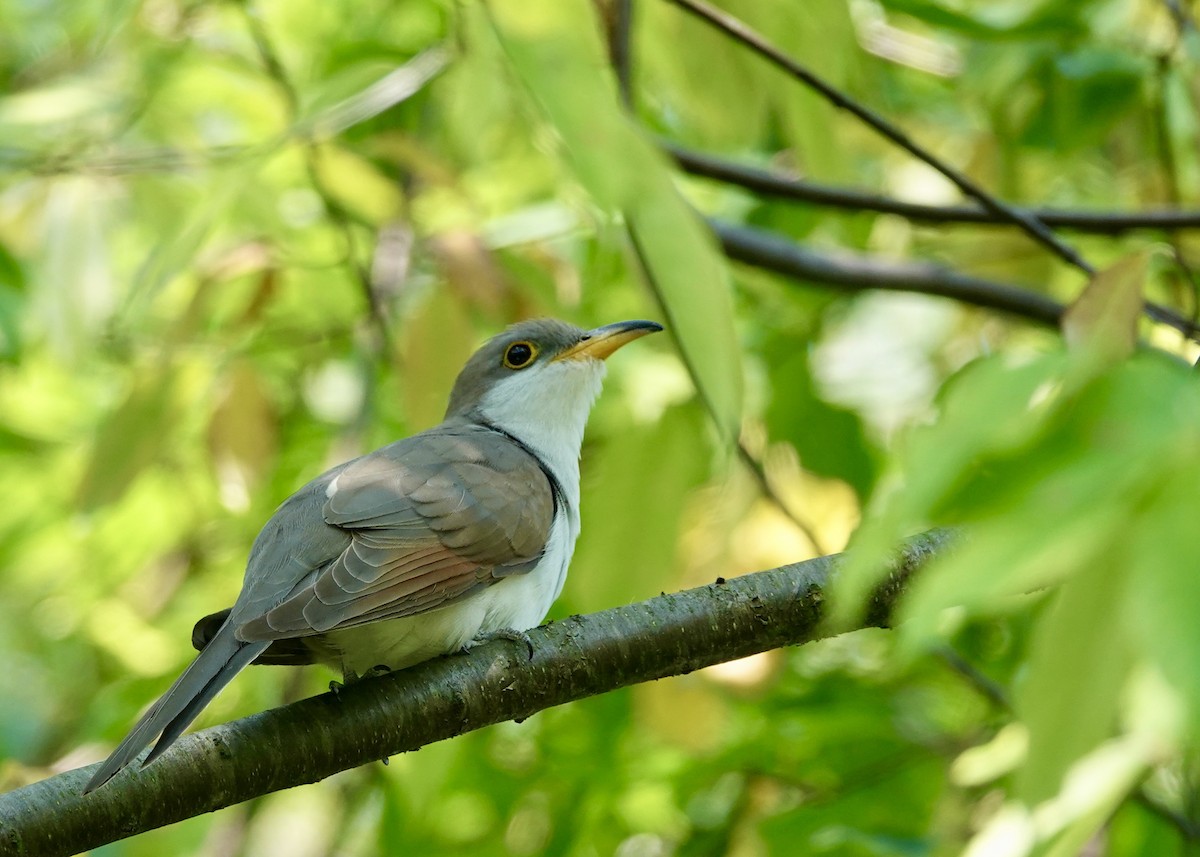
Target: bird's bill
600,342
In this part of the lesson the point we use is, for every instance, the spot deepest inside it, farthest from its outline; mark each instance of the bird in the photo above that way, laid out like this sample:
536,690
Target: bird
421,548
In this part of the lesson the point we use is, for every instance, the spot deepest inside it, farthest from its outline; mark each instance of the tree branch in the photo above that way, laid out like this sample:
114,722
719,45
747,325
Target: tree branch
773,252
315,738
767,183
1029,223
857,273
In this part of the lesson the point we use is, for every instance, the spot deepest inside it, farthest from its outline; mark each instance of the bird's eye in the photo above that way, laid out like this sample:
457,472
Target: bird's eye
519,355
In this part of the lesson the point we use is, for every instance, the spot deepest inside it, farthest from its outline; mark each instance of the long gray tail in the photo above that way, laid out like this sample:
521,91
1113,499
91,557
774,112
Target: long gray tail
222,659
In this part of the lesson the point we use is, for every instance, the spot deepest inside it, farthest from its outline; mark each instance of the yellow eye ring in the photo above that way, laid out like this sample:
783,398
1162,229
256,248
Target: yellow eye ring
520,354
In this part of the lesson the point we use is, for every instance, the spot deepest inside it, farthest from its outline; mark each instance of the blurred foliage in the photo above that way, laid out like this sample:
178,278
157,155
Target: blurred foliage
241,242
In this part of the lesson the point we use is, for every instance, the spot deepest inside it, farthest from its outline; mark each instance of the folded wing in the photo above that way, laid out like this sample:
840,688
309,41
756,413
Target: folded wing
428,521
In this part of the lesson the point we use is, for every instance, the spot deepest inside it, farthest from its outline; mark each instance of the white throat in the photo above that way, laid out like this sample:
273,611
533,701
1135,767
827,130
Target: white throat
546,407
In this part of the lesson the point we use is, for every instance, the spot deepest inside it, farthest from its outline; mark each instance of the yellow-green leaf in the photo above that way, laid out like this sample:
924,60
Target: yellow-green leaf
1102,322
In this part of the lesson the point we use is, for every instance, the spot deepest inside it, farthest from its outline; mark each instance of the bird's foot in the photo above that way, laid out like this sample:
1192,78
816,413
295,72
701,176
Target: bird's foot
350,677
510,634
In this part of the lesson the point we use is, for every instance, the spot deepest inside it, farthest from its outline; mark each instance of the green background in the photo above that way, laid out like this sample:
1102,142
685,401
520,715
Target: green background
226,264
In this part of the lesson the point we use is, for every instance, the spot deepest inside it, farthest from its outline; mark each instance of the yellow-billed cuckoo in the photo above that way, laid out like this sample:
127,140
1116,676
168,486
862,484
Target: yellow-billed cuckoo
421,547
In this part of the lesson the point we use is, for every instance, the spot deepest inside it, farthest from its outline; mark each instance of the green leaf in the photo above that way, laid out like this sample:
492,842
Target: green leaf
1100,449
12,275
1077,669
556,52
991,407
12,308
684,266
1164,545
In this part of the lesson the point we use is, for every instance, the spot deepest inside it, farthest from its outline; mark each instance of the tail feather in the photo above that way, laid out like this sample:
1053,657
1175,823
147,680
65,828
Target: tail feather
213,668
240,660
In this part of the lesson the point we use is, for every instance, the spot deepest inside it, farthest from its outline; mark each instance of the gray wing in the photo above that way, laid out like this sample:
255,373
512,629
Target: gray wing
424,521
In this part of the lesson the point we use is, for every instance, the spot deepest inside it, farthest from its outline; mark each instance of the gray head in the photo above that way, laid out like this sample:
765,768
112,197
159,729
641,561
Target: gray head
539,361
537,382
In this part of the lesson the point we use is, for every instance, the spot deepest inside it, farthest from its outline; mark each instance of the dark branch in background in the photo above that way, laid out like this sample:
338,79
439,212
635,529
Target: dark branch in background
985,686
754,40
856,273
309,740
773,252
767,183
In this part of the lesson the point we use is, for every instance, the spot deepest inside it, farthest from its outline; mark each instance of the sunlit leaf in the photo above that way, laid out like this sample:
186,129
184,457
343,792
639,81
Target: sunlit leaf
356,184
1078,667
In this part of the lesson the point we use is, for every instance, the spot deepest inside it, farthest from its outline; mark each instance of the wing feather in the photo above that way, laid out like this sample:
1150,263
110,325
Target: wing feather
424,522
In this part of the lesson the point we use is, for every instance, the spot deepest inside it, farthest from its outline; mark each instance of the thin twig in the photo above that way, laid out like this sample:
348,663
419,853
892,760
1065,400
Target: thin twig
768,490
754,40
772,184
987,687
618,18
